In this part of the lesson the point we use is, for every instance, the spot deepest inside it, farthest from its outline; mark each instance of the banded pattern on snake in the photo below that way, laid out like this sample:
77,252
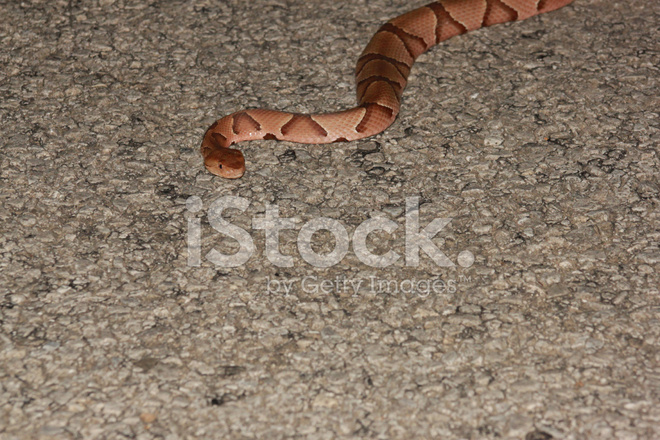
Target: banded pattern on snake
381,75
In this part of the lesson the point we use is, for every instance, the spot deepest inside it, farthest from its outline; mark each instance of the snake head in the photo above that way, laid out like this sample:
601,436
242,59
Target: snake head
225,162
220,160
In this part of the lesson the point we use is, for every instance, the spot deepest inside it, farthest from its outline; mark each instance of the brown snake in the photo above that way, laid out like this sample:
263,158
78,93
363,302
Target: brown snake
381,75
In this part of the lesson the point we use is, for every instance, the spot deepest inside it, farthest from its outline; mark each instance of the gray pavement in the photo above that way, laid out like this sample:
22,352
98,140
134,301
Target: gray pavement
534,312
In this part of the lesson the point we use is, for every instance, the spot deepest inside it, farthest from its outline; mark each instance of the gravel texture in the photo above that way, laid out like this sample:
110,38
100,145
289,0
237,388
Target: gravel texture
539,140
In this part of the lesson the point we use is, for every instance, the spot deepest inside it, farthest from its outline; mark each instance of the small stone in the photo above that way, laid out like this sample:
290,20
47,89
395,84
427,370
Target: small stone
148,418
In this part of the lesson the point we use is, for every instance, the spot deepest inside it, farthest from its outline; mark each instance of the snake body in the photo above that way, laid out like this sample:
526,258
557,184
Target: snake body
381,75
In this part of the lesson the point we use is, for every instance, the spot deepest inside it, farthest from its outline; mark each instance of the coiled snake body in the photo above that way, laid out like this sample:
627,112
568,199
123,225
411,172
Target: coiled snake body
381,75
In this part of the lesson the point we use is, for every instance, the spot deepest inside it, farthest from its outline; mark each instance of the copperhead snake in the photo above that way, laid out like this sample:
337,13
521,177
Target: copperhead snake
381,75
